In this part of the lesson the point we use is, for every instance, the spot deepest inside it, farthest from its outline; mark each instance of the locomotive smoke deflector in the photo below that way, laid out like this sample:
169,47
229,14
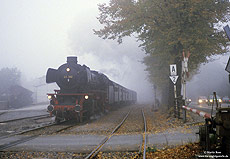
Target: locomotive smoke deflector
51,75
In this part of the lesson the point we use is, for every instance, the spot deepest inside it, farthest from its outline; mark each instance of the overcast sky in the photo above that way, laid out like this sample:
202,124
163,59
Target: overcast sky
36,35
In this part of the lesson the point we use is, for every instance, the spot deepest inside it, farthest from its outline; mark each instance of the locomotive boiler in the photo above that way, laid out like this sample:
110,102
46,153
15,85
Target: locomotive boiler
83,92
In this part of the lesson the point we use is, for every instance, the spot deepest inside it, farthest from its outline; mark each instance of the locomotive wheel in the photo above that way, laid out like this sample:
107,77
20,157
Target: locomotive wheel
86,116
57,120
58,117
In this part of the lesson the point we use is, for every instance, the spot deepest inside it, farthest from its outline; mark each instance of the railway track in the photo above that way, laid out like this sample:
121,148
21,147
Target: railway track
35,134
99,147
3,113
142,147
24,118
144,141
30,134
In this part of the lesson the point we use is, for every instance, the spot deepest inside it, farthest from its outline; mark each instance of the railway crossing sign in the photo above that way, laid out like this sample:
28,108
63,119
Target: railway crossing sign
173,71
173,79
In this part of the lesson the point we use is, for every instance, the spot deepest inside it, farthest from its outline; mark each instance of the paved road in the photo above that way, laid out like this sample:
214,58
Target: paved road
86,143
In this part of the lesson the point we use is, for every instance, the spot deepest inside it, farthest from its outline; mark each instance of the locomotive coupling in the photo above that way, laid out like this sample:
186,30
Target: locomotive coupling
50,108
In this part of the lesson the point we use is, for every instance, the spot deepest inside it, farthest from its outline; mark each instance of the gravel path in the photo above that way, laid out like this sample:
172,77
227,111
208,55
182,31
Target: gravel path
102,126
134,123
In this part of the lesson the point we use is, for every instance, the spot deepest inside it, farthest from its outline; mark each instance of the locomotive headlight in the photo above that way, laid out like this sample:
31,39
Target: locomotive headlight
49,97
67,69
86,97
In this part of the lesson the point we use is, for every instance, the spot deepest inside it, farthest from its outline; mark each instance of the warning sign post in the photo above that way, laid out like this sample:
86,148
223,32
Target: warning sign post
173,76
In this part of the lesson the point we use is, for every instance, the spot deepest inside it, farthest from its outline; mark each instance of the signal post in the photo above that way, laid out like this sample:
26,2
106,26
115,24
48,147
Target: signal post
173,76
184,75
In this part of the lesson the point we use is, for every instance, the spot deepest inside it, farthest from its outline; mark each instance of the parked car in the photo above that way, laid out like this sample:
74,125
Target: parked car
202,100
226,99
211,98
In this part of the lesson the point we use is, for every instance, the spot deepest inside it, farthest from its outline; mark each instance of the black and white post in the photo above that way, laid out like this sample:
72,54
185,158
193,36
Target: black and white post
184,75
173,76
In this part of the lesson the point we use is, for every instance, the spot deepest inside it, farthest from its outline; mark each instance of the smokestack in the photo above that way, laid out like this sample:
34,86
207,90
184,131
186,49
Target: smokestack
72,59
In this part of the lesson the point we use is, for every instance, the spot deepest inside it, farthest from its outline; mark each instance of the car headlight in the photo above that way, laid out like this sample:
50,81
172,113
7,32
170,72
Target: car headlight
220,100
211,100
49,97
200,101
206,100
189,100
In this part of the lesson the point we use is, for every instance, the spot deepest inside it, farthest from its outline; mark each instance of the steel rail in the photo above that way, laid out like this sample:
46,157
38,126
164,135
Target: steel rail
145,129
102,143
37,116
13,143
143,139
26,131
3,112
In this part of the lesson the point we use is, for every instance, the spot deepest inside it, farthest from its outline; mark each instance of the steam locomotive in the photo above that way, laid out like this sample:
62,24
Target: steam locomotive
83,92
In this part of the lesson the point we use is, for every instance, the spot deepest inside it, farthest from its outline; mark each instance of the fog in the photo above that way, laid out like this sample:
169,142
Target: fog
211,77
36,35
